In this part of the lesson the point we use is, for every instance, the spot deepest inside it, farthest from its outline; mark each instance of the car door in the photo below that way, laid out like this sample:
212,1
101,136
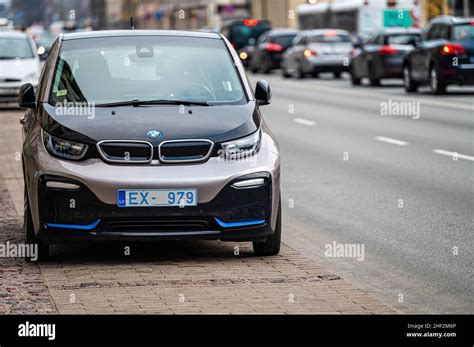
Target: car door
258,55
366,56
424,52
289,55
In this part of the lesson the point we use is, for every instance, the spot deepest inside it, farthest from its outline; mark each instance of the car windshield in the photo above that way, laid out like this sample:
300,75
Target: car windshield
330,38
13,48
243,34
285,41
402,39
463,32
144,68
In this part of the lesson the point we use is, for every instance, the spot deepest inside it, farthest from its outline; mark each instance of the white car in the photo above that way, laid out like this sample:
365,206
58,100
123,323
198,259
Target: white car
19,64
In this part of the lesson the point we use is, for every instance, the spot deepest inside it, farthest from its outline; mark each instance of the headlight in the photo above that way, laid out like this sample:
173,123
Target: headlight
243,147
41,50
64,148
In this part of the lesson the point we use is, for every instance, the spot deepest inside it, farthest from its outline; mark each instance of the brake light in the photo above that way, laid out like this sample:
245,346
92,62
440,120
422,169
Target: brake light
387,50
330,33
452,49
274,47
251,22
309,53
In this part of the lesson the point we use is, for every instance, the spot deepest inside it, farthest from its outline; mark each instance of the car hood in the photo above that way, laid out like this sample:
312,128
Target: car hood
215,123
19,70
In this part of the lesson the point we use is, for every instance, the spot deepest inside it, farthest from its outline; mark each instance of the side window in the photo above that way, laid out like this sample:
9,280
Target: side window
262,39
48,66
432,33
374,39
443,32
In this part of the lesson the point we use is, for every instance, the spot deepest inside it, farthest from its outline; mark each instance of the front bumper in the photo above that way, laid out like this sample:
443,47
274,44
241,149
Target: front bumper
462,75
234,214
96,199
327,64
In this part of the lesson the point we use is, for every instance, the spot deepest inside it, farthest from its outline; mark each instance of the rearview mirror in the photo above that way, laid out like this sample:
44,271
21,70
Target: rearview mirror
26,96
263,93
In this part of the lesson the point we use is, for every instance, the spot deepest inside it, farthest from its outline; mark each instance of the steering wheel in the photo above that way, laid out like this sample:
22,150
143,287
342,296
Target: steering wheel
192,89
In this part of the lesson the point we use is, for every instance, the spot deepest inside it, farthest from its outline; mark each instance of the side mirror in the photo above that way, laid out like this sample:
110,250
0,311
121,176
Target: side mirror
263,93
26,96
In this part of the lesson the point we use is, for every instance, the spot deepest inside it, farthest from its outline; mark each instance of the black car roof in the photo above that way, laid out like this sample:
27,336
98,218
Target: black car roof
121,33
397,31
282,31
451,20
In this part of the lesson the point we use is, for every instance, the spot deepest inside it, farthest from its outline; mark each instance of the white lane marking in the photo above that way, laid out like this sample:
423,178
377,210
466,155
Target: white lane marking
391,141
453,154
373,94
308,122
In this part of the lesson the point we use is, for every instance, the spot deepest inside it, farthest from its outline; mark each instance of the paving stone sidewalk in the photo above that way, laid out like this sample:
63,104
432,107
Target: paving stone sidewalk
170,277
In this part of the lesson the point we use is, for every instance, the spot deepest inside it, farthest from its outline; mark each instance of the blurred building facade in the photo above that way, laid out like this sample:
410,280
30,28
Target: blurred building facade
166,14
282,13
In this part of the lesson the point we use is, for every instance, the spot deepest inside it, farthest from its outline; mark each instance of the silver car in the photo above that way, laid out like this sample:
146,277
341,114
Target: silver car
148,135
316,51
19,64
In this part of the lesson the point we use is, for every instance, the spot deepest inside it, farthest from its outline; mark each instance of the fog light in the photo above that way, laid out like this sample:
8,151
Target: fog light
61,185
255,182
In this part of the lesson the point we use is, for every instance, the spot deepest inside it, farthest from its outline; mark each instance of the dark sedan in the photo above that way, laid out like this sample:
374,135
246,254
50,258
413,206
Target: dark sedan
444,56
382,54
269,50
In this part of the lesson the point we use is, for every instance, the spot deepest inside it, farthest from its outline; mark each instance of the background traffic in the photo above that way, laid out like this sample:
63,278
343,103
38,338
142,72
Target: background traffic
397,183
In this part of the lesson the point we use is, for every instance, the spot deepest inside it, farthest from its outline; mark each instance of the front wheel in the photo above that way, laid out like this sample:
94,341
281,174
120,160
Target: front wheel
30,236
271,246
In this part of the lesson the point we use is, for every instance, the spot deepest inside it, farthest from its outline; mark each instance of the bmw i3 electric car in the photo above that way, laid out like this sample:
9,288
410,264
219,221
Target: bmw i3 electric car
148,135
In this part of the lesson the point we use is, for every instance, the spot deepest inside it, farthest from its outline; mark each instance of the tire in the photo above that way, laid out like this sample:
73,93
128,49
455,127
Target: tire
284,73
437,87
271,246
299,72
354,80
315,74
266,66
337,75
253,67
374,82
410,85
30,236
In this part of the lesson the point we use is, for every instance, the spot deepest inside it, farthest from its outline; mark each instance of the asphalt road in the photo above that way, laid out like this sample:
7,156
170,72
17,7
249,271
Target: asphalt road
345,167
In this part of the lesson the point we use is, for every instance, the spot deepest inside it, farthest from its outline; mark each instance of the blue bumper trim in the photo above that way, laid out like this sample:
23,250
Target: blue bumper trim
74,226
239,224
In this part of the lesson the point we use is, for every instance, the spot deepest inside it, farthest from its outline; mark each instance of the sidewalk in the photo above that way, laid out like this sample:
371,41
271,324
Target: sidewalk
171,277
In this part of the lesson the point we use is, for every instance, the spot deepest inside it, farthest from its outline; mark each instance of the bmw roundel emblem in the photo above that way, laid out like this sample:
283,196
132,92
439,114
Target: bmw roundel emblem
154,134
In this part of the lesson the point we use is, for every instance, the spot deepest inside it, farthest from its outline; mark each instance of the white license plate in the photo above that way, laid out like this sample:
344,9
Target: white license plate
157,197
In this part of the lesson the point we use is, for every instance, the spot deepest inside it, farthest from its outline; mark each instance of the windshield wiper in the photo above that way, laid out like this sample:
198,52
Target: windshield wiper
136,103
